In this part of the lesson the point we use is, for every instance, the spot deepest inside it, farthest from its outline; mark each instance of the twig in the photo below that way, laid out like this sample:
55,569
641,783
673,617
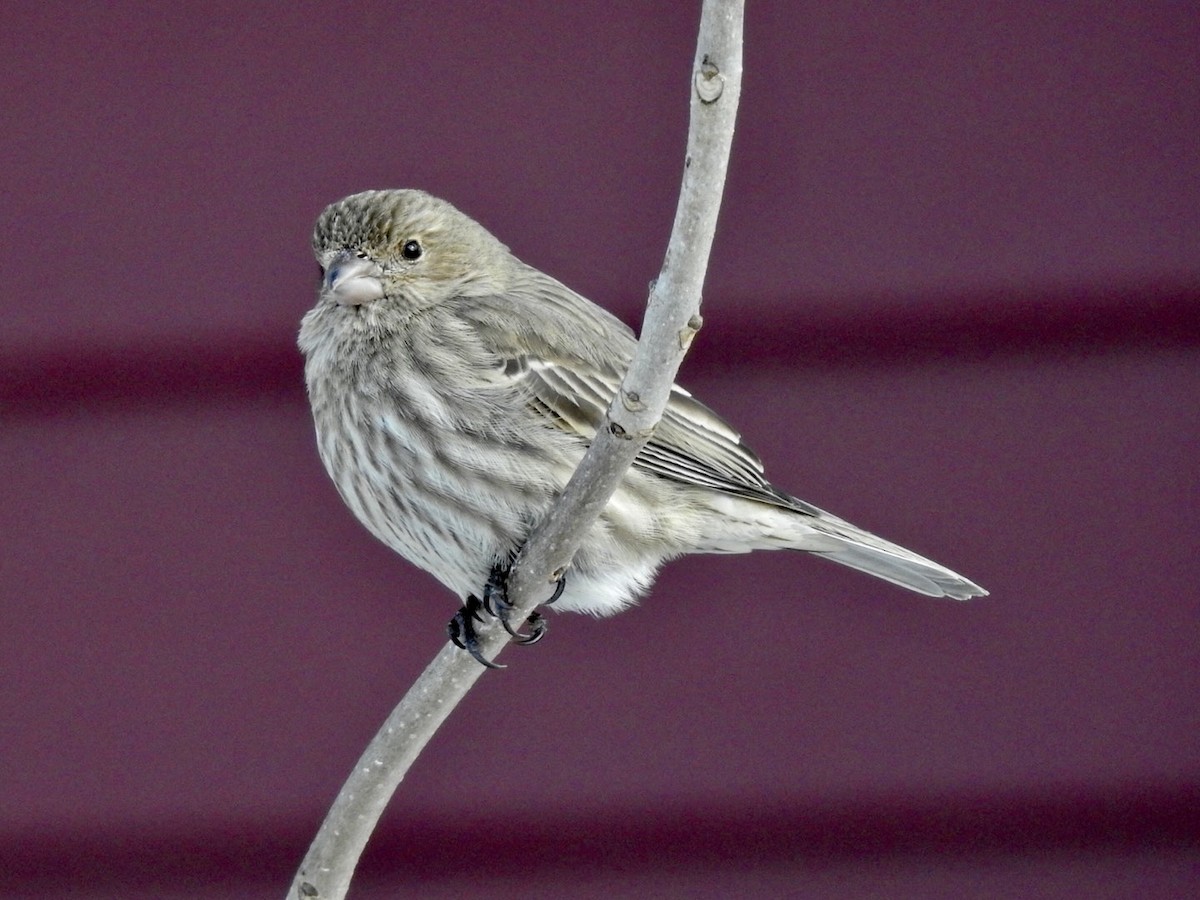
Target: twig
672,319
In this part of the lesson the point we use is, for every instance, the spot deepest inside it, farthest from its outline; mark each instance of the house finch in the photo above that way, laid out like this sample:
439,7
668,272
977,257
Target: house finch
455,389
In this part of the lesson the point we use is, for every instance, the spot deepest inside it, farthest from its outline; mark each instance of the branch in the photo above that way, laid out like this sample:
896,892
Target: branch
672,320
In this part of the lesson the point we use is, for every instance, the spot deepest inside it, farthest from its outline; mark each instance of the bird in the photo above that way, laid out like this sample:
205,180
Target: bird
454,389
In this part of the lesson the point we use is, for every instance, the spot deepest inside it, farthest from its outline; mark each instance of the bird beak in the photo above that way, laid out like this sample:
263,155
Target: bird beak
351,280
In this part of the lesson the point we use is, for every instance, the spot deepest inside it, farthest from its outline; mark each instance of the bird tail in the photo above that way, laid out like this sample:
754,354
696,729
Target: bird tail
795,525
828,536
816,531
893,563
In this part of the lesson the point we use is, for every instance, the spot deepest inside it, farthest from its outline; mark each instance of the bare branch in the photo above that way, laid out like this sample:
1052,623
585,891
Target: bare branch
672,315
672,319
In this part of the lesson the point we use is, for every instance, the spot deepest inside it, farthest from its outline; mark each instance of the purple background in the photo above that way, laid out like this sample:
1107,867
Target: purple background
955,298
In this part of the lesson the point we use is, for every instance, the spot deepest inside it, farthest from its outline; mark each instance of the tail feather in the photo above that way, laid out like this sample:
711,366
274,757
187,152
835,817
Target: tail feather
801,526
902,567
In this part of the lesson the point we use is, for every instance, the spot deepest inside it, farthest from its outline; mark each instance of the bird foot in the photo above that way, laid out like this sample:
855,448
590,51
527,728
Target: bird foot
495,603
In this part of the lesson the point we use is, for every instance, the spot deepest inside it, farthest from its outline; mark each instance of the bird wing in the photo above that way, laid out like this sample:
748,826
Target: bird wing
691,445
567,356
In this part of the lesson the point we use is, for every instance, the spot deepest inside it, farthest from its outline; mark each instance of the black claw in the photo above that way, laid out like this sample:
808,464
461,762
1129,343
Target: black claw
537,630
462,631
512,632
559,586
495,593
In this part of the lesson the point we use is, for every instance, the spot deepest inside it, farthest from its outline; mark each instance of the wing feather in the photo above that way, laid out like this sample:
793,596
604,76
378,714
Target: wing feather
568,356
692,444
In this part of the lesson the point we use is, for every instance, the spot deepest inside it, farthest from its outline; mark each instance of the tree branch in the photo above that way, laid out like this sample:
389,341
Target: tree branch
672,320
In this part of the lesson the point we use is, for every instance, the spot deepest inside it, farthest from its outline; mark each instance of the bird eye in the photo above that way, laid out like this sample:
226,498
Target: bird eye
411,250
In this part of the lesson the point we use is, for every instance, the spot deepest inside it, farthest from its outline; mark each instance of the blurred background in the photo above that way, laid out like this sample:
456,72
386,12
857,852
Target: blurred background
954,298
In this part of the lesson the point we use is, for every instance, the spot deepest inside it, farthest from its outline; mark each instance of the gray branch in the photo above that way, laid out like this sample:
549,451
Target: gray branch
672,320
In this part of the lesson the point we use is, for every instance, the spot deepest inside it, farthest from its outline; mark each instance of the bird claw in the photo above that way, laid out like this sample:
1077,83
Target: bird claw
462,631
495,603
495,594
537,630
559,586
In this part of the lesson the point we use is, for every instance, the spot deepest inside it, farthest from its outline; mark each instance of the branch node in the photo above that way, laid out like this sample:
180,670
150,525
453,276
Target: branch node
710,83
689,331
632,401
